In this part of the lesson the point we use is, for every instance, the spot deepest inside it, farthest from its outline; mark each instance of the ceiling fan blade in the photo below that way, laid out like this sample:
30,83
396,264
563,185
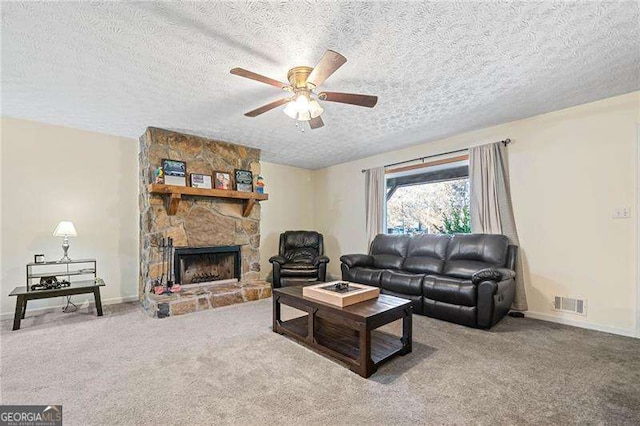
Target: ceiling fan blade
267,107
316,123
257,77
349,98
328,64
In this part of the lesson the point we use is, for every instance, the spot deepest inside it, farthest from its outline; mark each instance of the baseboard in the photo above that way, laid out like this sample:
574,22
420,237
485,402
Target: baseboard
582,324
111,301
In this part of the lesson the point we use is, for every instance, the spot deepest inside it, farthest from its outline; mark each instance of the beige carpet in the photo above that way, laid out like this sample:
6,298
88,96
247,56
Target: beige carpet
227,366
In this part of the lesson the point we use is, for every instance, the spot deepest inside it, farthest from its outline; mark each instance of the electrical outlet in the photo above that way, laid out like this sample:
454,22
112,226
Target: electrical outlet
622,213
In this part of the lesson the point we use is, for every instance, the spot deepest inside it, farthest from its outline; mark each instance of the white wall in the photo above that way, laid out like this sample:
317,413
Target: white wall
569,170
52,173
290,207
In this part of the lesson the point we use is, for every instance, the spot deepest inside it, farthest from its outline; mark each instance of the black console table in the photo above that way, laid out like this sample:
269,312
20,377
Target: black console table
23,294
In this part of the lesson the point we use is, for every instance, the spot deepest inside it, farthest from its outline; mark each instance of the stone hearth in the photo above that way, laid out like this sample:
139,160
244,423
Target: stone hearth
202,297
198,222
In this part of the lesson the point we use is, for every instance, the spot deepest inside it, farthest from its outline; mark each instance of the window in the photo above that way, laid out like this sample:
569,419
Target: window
429,199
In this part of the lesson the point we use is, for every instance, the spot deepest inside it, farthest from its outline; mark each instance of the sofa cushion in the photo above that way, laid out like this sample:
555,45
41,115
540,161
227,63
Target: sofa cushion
299,269
401,282
426,254
465,315
450,290
298,266
388,251
469,253
368,276
297,280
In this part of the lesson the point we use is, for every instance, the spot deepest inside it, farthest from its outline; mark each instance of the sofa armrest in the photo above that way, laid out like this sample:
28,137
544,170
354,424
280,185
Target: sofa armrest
492,274
494,300
352,260
278,259
320,259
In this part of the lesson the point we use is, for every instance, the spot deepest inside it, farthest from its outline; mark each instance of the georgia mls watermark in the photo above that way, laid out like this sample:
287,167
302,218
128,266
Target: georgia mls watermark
30,415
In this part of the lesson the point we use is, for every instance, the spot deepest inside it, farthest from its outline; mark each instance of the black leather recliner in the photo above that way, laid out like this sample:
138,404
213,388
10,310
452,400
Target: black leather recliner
301,259
465,278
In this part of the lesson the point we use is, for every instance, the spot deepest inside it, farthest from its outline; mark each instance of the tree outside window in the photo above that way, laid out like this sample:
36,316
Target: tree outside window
430,208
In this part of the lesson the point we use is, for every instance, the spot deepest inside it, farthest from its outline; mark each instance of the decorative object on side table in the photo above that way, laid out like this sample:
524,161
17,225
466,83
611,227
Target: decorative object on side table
244,180
260,185
222,180
38,258
200,181
50,283
175,172
65,229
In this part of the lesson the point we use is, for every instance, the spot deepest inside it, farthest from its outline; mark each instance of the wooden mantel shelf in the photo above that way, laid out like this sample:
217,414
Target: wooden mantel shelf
175,194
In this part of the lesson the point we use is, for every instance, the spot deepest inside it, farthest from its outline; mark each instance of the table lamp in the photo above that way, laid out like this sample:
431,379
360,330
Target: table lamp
65,229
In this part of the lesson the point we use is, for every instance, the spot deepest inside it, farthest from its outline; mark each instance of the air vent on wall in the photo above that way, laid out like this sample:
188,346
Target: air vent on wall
571,305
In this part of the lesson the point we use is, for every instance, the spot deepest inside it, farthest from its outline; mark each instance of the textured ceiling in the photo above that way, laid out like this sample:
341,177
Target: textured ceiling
438,68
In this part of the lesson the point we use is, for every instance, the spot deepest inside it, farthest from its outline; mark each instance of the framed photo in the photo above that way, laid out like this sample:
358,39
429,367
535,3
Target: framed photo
174,168
200,181
222,180
175,172
244,180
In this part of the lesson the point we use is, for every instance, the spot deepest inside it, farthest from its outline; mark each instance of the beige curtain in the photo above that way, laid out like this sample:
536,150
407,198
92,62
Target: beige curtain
374,202
491,209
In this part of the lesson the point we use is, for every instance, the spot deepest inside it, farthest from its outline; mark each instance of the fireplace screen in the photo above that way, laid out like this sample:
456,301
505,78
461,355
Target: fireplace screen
204,264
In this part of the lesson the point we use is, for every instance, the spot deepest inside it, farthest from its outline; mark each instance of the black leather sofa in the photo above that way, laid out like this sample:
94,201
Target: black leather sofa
300,259
466,278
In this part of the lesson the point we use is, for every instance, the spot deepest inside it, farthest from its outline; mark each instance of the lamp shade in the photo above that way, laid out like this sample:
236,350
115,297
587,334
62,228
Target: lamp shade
65,228
315,109
291,110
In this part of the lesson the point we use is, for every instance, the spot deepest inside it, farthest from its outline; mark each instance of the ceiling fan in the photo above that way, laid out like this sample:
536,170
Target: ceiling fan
303,104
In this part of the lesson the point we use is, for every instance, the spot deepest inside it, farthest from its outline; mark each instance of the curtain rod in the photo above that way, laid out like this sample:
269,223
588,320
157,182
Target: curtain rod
505,142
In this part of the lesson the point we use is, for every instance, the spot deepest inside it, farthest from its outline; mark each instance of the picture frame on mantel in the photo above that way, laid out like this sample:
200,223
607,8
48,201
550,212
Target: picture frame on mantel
200,181
244,180
222,180
175,172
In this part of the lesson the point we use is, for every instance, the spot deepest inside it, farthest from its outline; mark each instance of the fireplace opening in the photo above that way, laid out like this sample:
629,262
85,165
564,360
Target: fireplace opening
194,265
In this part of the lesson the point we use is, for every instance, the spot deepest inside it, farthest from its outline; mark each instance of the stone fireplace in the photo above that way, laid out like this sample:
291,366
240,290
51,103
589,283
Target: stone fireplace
195,265
216,257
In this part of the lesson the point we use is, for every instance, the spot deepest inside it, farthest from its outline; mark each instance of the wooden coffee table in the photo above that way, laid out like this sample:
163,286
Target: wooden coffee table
347,334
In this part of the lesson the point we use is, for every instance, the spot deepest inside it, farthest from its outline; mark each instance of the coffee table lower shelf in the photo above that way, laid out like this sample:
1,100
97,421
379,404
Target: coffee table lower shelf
344,342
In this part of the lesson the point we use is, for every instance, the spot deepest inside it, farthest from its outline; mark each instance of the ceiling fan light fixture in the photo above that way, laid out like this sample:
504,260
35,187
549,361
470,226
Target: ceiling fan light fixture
291,110
304,116
302,100
315,110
